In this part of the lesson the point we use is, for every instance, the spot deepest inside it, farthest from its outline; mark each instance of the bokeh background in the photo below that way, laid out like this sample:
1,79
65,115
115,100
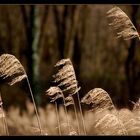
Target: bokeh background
41,35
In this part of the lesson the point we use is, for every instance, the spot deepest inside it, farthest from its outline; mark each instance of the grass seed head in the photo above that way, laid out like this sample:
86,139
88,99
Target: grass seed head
54,93
98,98
11,69
121,24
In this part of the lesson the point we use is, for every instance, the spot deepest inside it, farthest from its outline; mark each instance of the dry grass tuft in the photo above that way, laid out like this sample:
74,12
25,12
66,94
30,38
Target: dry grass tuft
121,24
130,122
110,125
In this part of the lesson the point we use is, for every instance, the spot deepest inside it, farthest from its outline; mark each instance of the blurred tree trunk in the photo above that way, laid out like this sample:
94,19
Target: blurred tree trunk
66,25
61,28
129,67
72,34
34,31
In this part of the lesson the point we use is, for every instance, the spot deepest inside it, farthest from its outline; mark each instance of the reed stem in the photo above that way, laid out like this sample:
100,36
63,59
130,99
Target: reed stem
81,114
4,118
37,114
75,111
66,112
58,121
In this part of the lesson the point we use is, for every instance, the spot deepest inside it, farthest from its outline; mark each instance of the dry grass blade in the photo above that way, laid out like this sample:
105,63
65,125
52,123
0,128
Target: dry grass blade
11,69
121,24
136,106
98,98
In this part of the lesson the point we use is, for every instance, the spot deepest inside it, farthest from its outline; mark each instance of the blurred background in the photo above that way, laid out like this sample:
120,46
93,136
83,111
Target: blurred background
41,35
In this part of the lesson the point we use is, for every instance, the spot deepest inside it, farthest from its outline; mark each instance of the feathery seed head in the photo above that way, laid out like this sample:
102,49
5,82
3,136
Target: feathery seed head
11,69
69,101
66,78
63,62
98,99
121,24
54,93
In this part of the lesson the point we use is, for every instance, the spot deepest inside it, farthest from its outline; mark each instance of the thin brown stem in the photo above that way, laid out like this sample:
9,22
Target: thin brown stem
75,111
5,123
58,121
81,114
4,118
66,112
37,114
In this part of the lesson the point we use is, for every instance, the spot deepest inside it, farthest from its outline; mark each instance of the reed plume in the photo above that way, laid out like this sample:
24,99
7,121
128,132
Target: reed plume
12,71
65,78
122,24
69,101
98,98
54,93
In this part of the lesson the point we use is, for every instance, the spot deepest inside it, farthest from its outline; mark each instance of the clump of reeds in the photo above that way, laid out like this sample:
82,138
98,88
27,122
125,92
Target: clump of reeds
70,101
65,78
55,93
12,71
121,24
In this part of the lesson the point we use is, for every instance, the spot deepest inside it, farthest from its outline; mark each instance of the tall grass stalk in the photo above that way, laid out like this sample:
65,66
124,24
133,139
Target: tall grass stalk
76,116
37,114
58,121
81,113
5,126
66,112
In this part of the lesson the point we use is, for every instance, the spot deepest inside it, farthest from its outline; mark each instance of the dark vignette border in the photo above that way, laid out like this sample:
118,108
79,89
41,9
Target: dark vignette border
69,2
